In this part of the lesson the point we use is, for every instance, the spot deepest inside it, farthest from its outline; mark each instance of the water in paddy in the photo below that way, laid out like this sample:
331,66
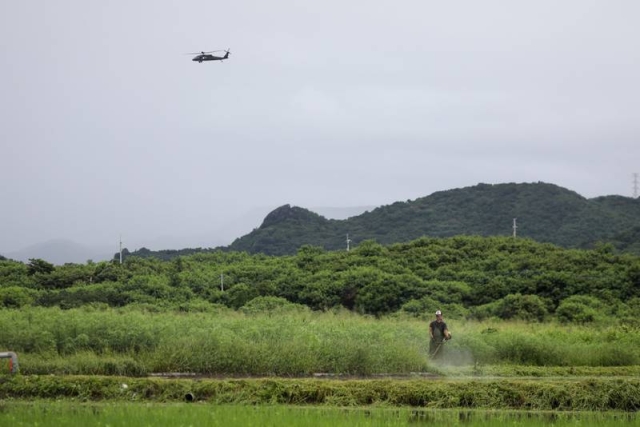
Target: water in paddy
112,414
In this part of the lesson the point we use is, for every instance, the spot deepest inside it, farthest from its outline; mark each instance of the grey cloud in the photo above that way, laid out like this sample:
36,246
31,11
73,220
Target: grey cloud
108,128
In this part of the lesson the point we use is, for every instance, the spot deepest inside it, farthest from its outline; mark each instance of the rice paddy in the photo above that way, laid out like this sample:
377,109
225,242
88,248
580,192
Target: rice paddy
69,414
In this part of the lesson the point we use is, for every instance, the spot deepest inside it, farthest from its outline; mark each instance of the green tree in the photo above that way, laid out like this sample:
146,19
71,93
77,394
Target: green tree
16,297
14,273
578,309
239,295
308,256
522,307
39,266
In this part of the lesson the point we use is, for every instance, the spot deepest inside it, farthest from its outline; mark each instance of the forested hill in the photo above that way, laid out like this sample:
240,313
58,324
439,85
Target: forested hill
544,212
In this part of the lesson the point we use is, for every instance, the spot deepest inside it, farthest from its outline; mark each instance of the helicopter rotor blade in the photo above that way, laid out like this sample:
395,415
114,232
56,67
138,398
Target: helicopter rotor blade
203,52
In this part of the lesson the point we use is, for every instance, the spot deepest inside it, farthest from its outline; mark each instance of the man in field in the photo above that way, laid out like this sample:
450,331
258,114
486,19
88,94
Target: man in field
439,334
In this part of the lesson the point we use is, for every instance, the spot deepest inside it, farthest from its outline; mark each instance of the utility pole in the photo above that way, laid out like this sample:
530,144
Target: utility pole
514,227
348,241
635,185
222,282
121,249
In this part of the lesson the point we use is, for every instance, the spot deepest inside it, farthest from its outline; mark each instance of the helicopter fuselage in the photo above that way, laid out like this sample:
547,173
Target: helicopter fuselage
206,57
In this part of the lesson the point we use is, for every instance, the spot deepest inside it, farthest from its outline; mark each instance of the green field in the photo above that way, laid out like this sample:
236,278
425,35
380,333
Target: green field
326,338
101,360
44,414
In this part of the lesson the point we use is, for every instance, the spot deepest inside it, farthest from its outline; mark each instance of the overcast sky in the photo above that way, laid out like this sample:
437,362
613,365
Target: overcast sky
107,128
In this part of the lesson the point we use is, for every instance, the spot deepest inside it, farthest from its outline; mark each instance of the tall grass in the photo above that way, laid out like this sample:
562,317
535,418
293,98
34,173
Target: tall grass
136,342
548,344
230,342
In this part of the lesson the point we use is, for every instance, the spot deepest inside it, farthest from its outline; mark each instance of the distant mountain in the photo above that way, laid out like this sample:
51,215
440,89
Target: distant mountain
61,251
628,241
341,212
224,235
544,212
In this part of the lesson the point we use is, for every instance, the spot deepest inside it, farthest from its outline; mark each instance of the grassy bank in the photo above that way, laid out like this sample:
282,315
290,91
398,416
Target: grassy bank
595,394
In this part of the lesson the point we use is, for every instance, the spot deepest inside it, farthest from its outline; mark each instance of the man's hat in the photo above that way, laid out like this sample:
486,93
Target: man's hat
438,313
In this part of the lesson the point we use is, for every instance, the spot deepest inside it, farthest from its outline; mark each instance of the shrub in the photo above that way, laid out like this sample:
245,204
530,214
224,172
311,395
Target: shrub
16,297
513,307
575,312
578,309
239,295
522,307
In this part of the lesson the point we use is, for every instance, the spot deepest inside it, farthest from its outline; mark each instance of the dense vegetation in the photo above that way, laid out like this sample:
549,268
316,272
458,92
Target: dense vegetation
545,213
517,308
300,314
470,277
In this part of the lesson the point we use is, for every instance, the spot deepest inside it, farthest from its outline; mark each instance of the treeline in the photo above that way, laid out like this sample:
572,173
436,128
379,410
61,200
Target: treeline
467,277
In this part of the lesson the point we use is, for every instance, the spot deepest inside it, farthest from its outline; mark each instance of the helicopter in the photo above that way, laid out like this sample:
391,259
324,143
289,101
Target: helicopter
206,56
